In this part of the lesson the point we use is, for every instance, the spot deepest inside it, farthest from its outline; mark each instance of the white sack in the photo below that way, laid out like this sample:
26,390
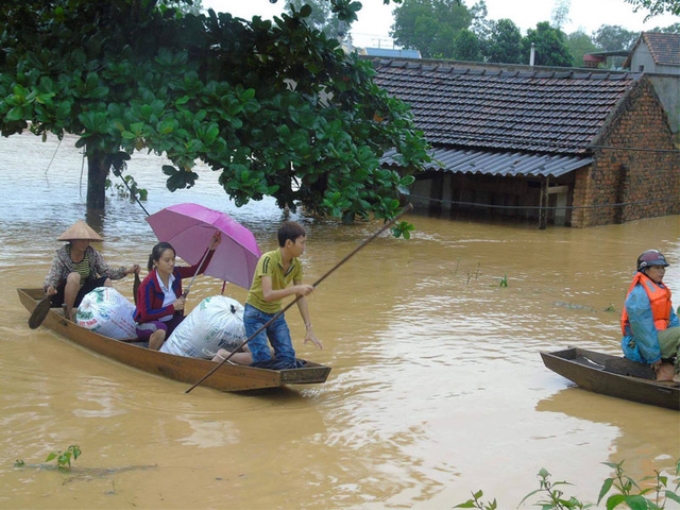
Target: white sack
216,322
107,312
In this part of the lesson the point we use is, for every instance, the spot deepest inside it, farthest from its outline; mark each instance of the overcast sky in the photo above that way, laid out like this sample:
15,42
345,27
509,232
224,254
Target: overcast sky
375,18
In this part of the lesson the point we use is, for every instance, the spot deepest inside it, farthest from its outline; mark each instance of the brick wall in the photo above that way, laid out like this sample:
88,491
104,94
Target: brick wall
642,170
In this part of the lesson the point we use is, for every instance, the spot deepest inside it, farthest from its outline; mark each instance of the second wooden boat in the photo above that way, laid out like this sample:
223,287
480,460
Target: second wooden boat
614,376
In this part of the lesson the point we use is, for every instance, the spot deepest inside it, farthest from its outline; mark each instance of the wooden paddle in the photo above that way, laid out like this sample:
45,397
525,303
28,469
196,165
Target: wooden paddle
387,225
39,313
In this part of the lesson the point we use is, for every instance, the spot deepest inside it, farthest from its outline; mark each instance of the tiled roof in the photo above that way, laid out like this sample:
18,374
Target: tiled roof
499,163
665,48
490,108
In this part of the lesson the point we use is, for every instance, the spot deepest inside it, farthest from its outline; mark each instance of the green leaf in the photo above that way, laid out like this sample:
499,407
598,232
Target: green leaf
605,489
63,109
306,11
166,127
470,503
615,500
283,131
16,113
636,502
671,495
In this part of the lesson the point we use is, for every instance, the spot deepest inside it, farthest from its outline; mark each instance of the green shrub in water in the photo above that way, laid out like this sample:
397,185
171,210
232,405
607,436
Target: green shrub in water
64,458
627,493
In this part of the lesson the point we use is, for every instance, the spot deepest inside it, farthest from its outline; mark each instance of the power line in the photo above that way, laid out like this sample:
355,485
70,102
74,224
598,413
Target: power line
564,207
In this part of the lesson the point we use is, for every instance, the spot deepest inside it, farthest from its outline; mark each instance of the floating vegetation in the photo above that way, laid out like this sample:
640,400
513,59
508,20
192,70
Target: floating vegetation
63,464
64,458
573,306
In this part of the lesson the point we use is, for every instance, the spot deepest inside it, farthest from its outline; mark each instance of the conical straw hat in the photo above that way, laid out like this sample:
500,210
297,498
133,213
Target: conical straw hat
79,230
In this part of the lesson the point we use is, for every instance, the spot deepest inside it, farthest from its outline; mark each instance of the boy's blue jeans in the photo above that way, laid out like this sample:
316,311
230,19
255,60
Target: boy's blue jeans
277,332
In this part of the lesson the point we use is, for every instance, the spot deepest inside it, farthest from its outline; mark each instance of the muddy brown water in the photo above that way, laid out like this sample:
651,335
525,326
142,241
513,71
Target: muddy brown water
437,387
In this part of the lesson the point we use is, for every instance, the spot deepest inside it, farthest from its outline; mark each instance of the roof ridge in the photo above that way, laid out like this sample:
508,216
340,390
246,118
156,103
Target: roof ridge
481,69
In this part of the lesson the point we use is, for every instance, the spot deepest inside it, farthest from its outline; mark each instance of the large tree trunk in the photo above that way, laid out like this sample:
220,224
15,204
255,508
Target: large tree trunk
97,171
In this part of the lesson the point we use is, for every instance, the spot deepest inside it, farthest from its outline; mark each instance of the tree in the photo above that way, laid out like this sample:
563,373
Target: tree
656,7
322,18
670,29
466,46
579,43
429,26
505,43
560,14
614,38
274,106
480,25
549,44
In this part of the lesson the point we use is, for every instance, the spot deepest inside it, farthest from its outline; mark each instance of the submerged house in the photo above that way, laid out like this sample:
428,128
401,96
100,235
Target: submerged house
566,147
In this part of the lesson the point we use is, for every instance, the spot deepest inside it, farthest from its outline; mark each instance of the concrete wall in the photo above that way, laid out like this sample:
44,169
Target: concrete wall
666,80
642,60
668,89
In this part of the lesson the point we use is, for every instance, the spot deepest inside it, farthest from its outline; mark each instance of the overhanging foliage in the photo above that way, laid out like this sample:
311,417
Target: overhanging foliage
276,107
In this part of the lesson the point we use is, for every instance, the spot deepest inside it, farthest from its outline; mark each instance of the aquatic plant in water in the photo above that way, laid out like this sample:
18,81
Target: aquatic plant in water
627,492
64,458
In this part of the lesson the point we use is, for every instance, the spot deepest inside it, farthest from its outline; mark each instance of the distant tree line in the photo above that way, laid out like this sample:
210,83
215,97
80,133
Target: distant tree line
449,29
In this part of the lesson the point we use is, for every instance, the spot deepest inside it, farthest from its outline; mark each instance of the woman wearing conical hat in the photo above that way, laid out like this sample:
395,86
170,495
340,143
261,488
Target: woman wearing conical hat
77,268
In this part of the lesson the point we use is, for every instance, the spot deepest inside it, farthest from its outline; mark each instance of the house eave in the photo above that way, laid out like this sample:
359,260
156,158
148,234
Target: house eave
502,164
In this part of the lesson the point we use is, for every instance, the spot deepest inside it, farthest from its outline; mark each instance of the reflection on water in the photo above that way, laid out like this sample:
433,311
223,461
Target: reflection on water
641,458
437,386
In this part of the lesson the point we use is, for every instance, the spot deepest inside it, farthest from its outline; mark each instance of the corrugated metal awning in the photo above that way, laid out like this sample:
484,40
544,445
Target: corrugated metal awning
499,163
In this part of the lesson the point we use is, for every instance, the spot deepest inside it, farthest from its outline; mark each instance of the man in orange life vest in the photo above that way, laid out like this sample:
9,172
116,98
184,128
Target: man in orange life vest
651,329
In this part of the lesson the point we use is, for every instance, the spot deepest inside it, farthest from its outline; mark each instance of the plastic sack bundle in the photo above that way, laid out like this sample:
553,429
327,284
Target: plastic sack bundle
216,322
107,312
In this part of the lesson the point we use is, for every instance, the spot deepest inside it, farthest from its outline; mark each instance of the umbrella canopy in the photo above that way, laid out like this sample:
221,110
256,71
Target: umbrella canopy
189,228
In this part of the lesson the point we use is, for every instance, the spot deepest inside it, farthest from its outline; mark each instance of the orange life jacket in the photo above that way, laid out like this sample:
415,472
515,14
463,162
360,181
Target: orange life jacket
659,300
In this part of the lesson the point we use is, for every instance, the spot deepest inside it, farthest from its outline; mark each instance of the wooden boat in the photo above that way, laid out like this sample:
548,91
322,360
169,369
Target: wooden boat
615,376
179,368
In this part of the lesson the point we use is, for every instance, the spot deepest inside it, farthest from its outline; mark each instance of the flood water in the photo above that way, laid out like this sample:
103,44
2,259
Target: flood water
437,387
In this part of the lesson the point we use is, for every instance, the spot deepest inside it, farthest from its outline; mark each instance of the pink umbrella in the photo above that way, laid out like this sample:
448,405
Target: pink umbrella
189,228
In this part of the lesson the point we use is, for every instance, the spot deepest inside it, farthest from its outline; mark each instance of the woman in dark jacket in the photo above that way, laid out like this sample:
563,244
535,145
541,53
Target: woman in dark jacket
160,303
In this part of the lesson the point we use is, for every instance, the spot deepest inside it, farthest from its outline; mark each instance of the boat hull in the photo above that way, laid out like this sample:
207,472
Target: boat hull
614,376
228,377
